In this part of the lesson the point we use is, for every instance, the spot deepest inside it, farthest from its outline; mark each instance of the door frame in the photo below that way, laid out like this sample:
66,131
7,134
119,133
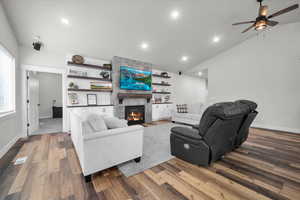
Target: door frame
57,70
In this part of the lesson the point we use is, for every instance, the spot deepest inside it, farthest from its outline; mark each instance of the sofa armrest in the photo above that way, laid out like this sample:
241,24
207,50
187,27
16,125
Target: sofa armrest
186,132
112,132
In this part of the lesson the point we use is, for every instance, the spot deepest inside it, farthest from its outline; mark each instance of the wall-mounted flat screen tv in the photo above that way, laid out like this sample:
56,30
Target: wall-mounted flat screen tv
134,79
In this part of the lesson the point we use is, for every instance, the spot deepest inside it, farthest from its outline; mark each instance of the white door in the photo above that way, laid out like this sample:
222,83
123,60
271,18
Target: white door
33,104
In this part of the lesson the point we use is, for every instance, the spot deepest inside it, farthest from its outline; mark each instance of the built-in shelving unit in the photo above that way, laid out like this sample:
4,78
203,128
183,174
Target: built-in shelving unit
90,66
161,76
162,84
89,90
88,78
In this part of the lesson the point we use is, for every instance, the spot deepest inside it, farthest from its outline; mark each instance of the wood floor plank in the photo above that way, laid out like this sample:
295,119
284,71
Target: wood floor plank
266,166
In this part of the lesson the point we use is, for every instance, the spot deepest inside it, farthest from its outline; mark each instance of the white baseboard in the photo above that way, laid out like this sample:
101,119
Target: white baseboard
45,117
5,149
277,128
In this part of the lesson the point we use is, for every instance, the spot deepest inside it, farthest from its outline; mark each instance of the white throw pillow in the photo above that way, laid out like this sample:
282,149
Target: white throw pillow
97,122
113,122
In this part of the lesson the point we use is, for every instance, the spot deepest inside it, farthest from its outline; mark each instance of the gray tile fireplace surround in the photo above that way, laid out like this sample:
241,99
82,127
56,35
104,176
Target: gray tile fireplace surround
119,110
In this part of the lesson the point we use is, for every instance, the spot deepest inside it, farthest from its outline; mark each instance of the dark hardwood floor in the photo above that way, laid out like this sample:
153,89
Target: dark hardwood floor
267,166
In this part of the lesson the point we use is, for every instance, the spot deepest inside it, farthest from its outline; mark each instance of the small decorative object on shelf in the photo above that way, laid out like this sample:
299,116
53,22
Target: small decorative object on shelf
91,99
77,73
157,100
104,74
164,74
73,98
73,85
167,98
96,85
77,59
107,66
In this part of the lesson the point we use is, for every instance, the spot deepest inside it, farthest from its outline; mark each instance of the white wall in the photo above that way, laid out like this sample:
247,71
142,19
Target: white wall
50,88
190,90
265,69
44,58
9,126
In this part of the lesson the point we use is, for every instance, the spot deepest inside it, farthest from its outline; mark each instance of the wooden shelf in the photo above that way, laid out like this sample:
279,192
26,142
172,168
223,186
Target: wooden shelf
84,106
162,84
89,78
89,90
122,96
163,103
158,75
89,66
161,92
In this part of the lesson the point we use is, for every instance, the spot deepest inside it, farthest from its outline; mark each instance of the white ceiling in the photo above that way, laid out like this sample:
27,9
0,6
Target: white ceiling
107,28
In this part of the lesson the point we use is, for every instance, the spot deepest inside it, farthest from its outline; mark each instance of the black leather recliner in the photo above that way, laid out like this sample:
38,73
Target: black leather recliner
223,127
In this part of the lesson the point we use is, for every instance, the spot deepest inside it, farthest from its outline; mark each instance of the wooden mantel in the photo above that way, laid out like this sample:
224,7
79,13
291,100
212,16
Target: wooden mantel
122,96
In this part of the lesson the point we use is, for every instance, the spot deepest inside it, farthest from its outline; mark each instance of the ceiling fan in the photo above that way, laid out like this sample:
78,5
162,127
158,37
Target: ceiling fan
263,21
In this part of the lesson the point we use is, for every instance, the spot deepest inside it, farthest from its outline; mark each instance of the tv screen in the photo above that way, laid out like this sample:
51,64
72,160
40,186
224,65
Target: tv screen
134,79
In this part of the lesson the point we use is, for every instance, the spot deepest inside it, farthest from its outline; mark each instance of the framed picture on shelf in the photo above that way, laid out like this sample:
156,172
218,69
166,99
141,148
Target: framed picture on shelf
91,99
73,98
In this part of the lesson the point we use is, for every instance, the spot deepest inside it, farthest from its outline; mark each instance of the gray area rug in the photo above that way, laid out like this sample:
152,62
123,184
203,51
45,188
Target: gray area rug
156,149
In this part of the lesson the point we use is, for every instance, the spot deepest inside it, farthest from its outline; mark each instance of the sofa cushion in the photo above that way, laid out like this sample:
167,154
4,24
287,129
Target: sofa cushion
113,122
97,122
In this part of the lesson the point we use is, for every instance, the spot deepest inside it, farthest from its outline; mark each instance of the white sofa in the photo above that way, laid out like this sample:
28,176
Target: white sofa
186,118
100,150
193,116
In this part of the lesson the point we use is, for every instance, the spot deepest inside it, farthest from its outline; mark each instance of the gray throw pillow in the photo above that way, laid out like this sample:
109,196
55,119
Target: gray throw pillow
97,122
113,122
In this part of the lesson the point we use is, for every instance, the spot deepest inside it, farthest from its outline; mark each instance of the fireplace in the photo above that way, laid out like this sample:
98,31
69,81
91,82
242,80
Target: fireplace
135,114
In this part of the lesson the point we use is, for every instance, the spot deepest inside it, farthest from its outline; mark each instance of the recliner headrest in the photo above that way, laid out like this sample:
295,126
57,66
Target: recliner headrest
228,110
225,110
252,105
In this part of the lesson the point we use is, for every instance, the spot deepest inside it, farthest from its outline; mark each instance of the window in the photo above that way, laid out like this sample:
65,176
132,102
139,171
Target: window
7,82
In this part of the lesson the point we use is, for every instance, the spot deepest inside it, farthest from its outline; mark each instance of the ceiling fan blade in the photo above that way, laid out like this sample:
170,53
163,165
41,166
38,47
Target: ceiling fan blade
247,22
272,23
283,11
253,25
263,11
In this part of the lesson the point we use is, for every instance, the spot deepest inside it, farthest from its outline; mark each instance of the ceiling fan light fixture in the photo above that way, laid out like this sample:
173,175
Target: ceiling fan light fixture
261,25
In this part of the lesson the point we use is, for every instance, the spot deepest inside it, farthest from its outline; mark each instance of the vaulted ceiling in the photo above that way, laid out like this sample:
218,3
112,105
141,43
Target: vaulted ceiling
107,28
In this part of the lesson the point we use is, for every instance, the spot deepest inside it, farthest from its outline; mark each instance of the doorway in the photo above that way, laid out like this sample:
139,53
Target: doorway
44,102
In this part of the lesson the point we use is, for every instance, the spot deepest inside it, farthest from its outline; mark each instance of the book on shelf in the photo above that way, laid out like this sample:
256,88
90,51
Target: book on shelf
96,85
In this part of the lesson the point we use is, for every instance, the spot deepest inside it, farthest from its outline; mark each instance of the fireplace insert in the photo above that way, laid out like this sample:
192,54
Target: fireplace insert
135,114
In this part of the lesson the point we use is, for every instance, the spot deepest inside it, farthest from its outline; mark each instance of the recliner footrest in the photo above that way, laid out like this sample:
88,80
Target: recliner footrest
188,145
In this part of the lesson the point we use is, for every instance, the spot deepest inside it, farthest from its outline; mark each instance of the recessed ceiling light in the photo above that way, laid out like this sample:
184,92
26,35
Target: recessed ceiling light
65,21
175,14
184,58
200,73
216,39
144,45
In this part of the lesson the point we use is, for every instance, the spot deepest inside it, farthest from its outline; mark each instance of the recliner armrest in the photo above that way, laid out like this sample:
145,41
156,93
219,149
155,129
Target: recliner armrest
195,126
186,132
